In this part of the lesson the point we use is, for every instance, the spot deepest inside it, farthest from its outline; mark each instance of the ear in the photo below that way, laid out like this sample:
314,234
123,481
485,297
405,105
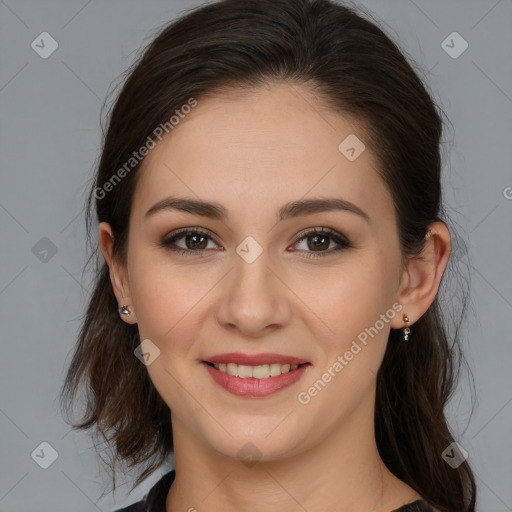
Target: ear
422,276
118,274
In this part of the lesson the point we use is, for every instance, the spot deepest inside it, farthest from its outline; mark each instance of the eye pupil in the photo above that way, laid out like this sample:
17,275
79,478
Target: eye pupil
319,245
195,238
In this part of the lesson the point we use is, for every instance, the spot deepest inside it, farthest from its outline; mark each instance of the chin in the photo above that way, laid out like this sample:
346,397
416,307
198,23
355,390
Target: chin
258,442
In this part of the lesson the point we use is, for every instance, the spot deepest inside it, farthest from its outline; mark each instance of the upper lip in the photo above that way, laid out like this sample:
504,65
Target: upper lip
255,359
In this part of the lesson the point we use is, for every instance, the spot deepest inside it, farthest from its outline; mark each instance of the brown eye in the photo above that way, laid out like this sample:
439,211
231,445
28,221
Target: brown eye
317,242
194,241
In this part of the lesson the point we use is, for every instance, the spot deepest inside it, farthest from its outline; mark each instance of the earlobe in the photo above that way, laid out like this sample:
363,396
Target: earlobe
423,273
126,311
117,274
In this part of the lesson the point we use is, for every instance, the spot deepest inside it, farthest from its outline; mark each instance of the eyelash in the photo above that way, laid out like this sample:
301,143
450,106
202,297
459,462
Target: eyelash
343,243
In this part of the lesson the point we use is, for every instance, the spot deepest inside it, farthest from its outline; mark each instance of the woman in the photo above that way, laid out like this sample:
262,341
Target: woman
273,237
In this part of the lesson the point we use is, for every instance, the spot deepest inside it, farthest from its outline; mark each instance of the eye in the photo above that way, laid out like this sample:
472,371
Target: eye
317,239
194,241
321,238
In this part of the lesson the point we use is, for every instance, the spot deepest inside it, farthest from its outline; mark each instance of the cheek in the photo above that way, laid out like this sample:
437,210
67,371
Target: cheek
348,299
167,303
357,308
165,295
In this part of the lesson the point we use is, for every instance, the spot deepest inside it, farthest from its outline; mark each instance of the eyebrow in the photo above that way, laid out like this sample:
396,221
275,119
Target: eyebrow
292,209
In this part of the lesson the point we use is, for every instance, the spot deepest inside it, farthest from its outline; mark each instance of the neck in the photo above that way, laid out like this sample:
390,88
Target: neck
343,473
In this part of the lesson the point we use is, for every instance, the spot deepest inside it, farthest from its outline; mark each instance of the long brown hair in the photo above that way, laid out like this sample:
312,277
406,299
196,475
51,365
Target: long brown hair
357,70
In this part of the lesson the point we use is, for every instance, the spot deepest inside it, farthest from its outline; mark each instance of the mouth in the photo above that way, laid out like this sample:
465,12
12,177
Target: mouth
268,373
261,371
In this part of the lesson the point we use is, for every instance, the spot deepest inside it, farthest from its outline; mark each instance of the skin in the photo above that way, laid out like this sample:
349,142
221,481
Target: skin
252,153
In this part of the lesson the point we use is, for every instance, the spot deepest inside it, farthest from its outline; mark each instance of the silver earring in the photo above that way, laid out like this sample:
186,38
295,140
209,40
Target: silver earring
406,329
123,310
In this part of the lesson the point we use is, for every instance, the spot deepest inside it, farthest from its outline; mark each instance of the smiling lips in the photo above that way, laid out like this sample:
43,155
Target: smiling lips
257,375
262,371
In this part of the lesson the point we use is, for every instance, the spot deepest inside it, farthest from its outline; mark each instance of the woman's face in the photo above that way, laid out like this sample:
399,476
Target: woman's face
257,282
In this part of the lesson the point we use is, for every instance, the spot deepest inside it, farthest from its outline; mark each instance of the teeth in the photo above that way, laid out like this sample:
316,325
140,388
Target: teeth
275,370
259,372
263,371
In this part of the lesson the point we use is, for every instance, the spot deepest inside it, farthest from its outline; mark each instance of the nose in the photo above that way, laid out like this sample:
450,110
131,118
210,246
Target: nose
254,298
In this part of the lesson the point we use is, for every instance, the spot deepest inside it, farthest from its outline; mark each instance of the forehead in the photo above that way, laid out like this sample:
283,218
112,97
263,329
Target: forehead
254,150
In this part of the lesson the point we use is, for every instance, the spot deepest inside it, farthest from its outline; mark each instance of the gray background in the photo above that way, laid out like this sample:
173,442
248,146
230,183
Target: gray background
50,140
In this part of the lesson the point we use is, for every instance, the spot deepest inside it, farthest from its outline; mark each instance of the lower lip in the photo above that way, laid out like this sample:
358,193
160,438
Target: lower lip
255,388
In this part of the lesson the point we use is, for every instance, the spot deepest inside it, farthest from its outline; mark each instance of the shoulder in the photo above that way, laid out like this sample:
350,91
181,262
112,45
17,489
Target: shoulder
154,500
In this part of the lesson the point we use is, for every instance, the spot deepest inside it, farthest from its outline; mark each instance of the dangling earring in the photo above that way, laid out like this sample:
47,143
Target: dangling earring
406,329
123,310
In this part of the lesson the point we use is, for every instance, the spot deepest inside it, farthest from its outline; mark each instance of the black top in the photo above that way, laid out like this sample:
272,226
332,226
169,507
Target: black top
154,500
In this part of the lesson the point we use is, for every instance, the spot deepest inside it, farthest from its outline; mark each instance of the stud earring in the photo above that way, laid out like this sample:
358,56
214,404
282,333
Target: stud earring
406,329
123,310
